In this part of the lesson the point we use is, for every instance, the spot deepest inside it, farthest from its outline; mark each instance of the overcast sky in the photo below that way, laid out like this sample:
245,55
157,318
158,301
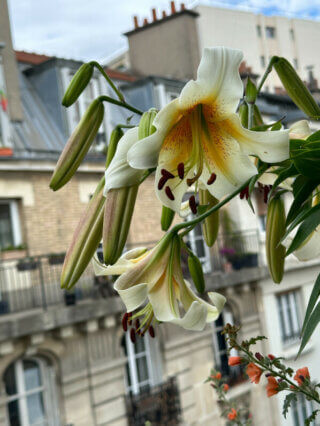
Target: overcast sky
92,29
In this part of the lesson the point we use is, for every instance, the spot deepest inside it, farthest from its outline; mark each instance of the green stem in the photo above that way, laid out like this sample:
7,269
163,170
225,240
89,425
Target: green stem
250,115
266,73
203,216
110,82
146,175
121,104
276,373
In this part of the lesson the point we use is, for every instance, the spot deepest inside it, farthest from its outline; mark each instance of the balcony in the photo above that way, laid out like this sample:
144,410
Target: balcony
159,405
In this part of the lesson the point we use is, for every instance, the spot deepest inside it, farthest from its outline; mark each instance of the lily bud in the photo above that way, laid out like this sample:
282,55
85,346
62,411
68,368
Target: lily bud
78,145
251,92
295,88
85,241
167,216
146,127
243,114
210,226
275,229
77,85
117,218
116,135
196,272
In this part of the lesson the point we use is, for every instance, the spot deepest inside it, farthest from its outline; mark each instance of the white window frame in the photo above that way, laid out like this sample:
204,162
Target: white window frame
15,220
47,389
289,313
206,259
300,410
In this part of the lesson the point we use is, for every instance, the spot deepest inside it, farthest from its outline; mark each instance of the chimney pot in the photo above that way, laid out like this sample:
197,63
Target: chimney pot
164,14
173,8
145,21
154,15
135,21
183,6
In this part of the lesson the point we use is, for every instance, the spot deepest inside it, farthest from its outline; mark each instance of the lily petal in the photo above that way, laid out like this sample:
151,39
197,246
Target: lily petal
134,296
144,154
163,300
119,173
123,264
300,130
271,147
310,249
194,319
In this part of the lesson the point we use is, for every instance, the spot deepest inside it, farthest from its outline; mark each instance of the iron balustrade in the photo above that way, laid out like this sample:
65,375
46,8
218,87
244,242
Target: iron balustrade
160,405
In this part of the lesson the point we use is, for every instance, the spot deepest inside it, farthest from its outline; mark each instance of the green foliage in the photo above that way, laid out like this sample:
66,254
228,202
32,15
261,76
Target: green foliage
290,397
311,418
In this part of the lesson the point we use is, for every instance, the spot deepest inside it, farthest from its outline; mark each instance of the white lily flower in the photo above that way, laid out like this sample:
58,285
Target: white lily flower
119,174
309,249
199,135
156,275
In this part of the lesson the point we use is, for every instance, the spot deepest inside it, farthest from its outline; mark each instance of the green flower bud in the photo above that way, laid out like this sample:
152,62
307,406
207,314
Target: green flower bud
116,135
251,92
275,229
243,114
77,85
117,219
167,216
85,240
210,226
146,127
196,272
295,88
78,145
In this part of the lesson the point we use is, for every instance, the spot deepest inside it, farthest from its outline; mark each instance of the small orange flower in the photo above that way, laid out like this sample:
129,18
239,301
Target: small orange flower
271,357
232,415
301,375
234,360
216,376
254,372
226,387
272,386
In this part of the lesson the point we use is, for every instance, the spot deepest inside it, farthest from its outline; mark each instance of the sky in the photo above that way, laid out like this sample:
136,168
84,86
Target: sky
87,30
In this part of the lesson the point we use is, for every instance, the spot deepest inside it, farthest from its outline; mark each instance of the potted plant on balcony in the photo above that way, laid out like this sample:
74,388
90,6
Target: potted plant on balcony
27,264
56,259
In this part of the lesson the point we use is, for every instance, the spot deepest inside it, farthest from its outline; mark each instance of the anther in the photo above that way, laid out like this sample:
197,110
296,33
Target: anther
151,331
193,204
133,336
212,179
162,182
181,170
125,322
165,173
137,324
244,193
169,193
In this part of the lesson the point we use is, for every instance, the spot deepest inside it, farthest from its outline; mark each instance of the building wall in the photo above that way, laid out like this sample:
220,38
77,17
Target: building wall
168,49
48,218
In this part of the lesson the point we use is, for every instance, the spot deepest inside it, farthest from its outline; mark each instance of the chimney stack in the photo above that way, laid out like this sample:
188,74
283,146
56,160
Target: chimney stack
173,8
145,21
154,15
135,21
164,14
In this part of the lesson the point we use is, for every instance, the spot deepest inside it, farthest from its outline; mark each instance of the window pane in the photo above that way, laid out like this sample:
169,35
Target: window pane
14,416
35,406
10,381
142,368
32,376
139,345
6,235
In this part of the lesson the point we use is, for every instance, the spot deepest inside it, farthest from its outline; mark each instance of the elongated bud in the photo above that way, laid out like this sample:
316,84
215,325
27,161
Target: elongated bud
196,272
257,118
295,88
146,127
117,218
243,114
116,135
251,92
167,216
85,240
77,85
275,229
78,145
210,226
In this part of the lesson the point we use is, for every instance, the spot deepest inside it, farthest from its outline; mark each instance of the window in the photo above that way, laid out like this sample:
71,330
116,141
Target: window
289,315
301,409
270,32
10,232
295,63
144,364
31,400
220,348
259,30
199,247
262,61
292,34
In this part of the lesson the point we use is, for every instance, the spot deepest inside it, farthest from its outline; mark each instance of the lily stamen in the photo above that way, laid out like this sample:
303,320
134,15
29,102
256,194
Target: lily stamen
133,336
193,204
165,173
212,179
169,193
180,169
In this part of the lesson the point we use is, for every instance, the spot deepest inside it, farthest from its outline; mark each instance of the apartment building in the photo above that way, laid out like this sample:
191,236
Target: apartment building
64,358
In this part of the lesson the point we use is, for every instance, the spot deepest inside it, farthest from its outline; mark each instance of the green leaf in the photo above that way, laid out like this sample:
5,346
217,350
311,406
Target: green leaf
265,127
309,225
310,327
284,174
302,190
300,218
311,418
314,137
290,397
312,301
305,154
